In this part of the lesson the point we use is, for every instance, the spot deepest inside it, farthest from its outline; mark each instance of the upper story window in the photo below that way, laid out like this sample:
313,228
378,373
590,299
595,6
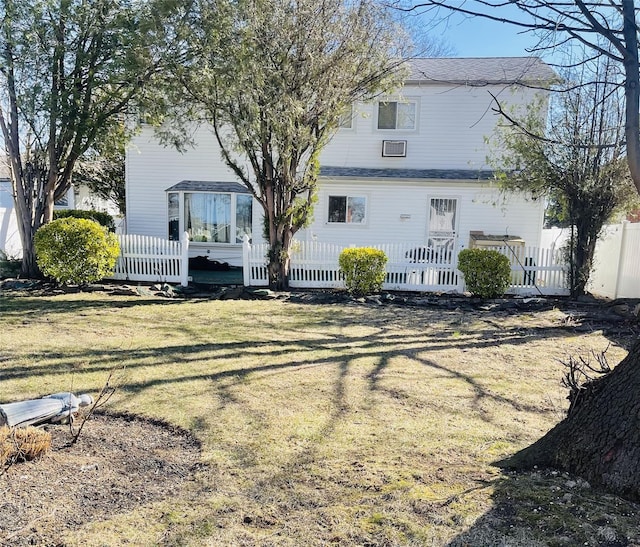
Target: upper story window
397,115
347,209
66,201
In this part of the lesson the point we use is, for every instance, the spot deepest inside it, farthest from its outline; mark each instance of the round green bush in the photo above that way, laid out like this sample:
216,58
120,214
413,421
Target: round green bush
487,273
363,269
75,251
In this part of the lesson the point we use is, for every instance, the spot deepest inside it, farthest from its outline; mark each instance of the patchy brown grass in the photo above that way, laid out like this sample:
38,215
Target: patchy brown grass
343,424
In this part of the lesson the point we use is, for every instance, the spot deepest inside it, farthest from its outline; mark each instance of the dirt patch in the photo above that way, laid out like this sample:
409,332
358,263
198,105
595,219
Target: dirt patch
119,462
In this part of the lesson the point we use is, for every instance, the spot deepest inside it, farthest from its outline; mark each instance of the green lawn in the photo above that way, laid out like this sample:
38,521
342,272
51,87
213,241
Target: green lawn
341,424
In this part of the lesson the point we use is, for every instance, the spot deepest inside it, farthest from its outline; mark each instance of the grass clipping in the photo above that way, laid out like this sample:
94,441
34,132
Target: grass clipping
22,444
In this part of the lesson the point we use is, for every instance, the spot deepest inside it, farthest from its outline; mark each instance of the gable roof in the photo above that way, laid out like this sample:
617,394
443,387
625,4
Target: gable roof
480,71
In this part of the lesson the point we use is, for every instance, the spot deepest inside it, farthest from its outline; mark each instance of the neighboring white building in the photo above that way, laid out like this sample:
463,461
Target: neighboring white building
409,167
10,242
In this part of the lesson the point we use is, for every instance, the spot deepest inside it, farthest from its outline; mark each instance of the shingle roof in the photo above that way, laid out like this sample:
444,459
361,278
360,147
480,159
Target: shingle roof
440,174
208,186
482,70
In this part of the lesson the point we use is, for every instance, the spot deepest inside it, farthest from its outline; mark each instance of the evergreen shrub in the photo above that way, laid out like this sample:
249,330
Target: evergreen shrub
76,251
363,269
487,273
104,219
9,267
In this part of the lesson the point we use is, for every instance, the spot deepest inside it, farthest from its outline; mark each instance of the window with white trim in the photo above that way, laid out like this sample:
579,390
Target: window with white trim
347,210
210,217
397,115
66,201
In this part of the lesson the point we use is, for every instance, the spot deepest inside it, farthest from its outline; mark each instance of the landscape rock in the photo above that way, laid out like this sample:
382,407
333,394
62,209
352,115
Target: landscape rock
125,290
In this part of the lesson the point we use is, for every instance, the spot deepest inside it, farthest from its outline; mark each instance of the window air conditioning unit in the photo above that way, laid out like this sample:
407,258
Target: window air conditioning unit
394,149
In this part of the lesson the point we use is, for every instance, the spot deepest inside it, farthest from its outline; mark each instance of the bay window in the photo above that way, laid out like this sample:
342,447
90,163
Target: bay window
220,217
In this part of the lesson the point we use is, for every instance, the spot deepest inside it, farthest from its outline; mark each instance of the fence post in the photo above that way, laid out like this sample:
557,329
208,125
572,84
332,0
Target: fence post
184,260
246,266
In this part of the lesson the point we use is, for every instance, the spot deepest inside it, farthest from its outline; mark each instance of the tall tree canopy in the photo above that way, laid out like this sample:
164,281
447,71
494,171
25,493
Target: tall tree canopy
274,78
576,158
69,69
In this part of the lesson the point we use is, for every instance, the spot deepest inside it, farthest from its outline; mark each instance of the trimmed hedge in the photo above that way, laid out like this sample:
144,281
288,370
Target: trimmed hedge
487,273
363,269
9,267
104,219
76,251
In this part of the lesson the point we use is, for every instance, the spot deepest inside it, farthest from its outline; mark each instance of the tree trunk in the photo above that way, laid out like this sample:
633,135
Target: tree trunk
584,248
278,266
599,440
632,89
279,275
29,267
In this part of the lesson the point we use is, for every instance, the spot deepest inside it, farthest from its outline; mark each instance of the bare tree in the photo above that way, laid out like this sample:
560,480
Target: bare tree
604,28
575,158
599,440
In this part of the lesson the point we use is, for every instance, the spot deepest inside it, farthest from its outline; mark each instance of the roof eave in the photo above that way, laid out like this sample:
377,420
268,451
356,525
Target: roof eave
542,84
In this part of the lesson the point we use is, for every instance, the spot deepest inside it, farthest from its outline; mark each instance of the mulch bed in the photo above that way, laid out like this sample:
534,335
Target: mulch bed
118,463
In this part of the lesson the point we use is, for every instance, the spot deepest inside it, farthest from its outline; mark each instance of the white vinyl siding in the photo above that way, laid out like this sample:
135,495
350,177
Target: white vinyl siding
452,125
398,211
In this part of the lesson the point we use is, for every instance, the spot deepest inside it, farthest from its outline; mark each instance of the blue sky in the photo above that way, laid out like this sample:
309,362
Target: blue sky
478,37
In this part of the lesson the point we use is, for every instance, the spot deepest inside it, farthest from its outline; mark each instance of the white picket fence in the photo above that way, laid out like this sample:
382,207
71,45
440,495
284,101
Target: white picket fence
145,258
410,267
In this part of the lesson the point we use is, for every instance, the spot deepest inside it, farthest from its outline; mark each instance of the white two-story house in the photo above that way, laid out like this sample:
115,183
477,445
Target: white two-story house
409,167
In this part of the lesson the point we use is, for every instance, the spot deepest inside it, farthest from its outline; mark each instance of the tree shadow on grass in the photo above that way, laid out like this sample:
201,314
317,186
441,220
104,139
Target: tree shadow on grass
171,365
384,346
17,307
